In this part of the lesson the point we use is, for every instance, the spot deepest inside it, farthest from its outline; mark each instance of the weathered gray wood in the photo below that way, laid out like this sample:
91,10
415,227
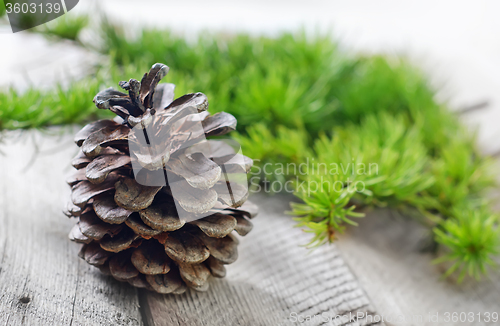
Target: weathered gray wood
273,278
42,280
385,252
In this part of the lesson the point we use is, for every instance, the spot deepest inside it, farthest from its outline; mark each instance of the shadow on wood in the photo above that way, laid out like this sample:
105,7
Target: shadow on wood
273,282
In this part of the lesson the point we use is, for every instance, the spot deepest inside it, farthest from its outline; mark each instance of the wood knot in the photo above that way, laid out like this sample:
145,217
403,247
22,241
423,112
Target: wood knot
24,299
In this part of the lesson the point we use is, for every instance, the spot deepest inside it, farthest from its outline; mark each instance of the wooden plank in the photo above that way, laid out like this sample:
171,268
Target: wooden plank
273,282
385,252
42,281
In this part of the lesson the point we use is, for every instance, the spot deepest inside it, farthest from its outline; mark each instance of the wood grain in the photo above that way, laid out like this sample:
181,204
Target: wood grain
385,251
42,281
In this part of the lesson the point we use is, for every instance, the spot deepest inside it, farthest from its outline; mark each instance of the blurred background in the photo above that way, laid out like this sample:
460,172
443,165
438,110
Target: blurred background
455,42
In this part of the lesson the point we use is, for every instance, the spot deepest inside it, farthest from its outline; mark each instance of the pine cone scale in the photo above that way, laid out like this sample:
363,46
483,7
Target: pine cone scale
91,128
160,217
185,248
93,145
140,228
151,259
97,170
83,191
107,210
133,196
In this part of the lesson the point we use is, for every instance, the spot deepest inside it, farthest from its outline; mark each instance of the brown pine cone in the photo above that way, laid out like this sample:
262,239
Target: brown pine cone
160,217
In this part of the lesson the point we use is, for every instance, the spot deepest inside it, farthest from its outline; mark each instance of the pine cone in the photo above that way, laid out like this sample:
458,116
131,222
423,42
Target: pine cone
154,232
